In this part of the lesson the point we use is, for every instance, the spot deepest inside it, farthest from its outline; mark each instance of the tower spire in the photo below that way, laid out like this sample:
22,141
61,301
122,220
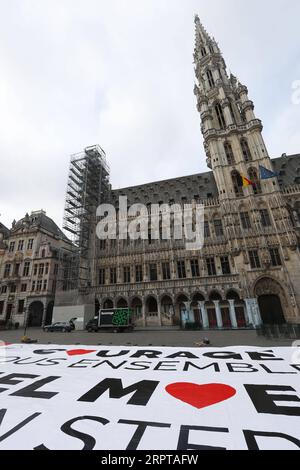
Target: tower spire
232,134
201,32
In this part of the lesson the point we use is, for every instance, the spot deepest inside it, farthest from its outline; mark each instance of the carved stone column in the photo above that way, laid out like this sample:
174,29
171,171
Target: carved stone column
253,312
44,315
144,312
218,313
256,312
159,311
190,314
248,313
205,321
232,314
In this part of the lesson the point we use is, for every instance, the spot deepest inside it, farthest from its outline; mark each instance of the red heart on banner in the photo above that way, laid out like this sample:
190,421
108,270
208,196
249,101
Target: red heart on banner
200,396
79,352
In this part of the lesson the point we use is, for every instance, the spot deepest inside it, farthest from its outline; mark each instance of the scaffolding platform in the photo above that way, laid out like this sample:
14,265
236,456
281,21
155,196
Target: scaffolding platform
88,186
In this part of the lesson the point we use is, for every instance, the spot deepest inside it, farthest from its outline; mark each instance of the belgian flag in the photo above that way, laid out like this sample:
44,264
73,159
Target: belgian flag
246,182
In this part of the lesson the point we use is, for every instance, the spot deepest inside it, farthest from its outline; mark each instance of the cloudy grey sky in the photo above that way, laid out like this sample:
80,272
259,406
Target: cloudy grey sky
120,73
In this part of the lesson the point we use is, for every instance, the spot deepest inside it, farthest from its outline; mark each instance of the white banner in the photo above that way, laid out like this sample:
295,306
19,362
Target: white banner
117,398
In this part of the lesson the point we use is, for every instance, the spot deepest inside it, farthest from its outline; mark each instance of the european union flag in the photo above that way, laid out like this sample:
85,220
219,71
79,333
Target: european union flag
266,174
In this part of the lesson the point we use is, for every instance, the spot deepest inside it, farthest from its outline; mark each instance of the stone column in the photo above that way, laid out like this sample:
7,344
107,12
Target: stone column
248,313
190,314
255,312
159,311
205,321
219,314
232,314
44,315
144,312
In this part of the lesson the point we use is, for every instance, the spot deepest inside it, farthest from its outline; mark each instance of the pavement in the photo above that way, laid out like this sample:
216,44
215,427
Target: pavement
173,338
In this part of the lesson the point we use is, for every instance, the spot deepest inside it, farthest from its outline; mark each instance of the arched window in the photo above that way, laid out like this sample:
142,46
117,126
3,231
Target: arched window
246,150
211,49
210,78
255,180
229,153
203,51
237,183
232,112
220,116
241,112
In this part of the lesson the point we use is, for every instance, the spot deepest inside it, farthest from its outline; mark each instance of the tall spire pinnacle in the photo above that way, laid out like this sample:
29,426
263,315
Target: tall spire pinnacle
200,29
201,34
204,43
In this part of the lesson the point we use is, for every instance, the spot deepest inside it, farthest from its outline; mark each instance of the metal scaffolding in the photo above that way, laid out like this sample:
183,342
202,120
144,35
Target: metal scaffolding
88,186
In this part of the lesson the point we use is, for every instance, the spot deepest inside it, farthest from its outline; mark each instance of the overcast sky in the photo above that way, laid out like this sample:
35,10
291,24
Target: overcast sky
120,73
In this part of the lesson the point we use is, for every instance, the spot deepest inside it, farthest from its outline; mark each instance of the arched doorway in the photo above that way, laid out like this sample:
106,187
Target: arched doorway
225,312
240,313
151,306
271,301
151,311
196,309
107,304
122,303
167,310
137,307
271,310
49,313
239,308
35,316
181,309
211,309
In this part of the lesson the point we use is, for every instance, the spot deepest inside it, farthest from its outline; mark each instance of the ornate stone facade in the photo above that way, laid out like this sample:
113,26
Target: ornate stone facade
31,254
249,269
